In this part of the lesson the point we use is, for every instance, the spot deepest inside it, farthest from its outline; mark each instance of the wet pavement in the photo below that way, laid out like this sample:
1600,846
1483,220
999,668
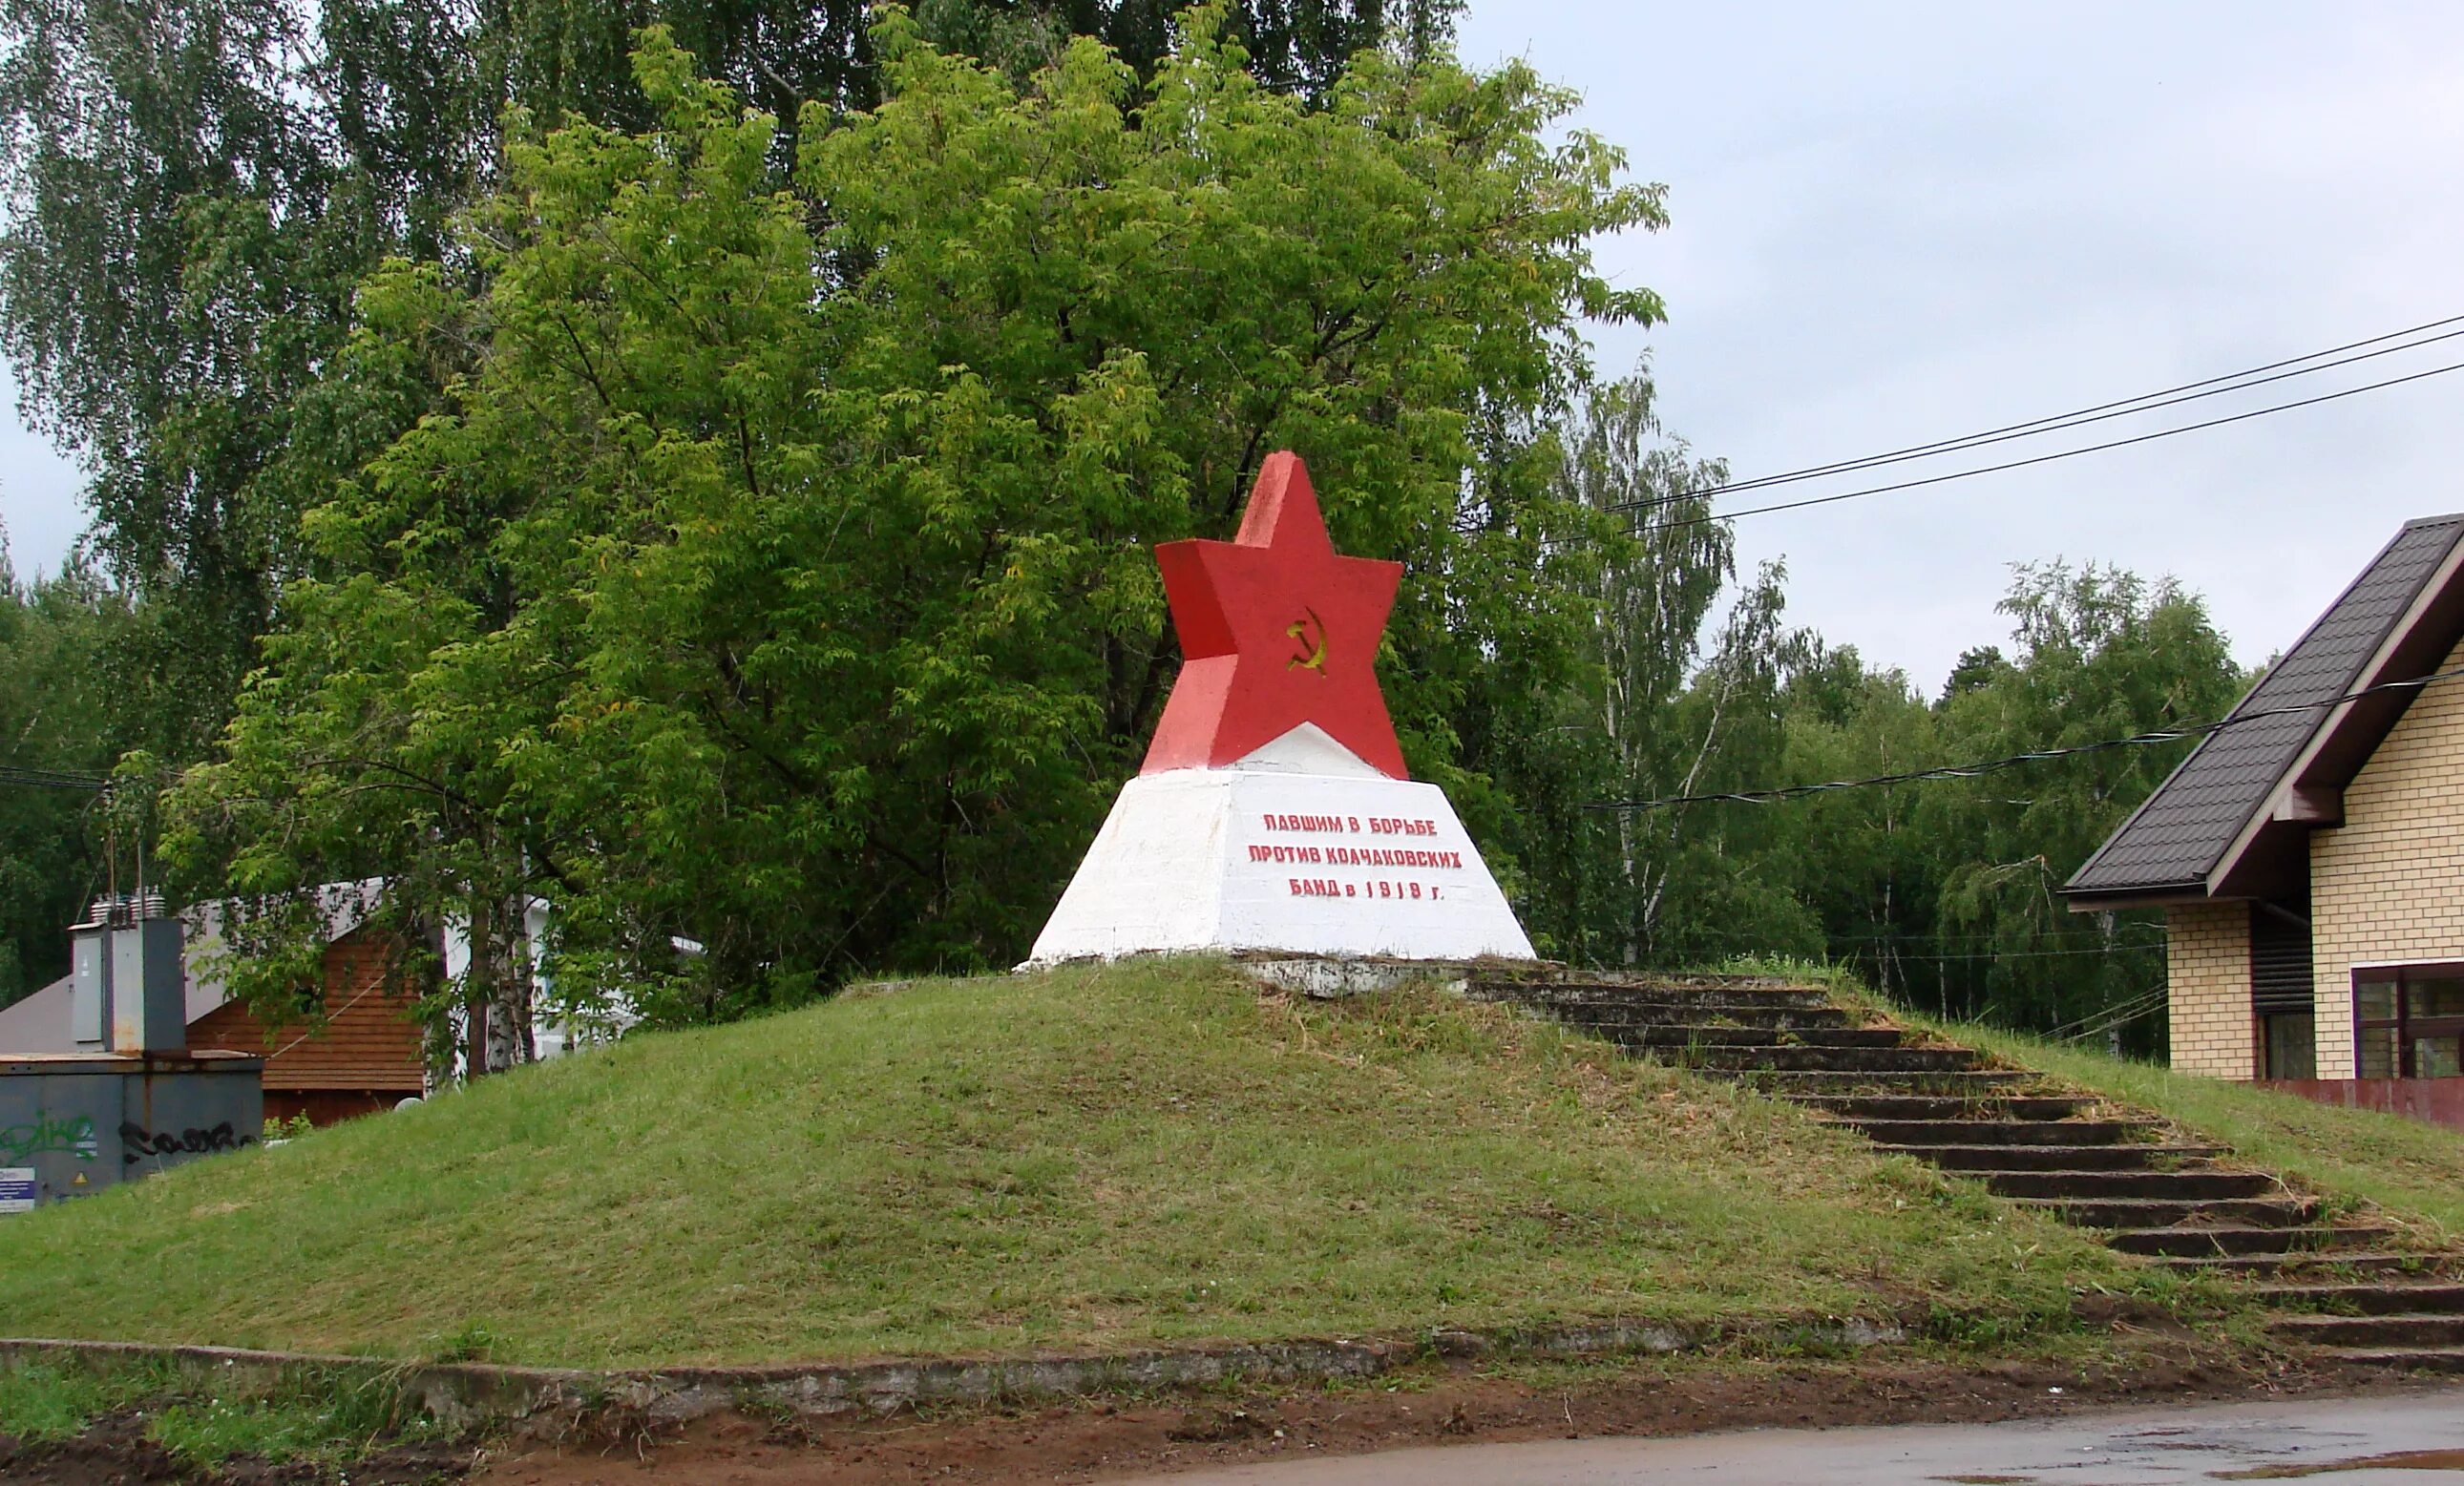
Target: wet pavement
2407,1439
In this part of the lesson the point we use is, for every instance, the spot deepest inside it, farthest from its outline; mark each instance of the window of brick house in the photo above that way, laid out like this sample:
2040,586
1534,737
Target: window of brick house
2288,1045
2408,1021
2280,988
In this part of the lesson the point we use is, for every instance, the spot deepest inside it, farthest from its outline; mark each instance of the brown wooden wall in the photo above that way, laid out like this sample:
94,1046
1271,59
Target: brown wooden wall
366,1056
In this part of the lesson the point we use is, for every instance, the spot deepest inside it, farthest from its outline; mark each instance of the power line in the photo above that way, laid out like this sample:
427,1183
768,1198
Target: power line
2035,755
2112,1019
51,778
2078,417
2042,458
2115,948
1923,936
2130,1004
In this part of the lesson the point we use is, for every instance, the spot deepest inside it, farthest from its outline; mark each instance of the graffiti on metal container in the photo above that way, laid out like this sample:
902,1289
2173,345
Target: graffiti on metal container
135,1141
46,1134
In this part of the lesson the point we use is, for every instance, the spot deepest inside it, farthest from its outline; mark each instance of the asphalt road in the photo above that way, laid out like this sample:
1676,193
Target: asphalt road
2408,1439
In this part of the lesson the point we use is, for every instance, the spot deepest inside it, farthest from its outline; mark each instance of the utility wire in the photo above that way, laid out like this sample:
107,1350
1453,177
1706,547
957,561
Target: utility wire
2112,1019
2117,1023
2128,1005
2042,458
1917,936
2079,417
2025,954
2033,756
51,778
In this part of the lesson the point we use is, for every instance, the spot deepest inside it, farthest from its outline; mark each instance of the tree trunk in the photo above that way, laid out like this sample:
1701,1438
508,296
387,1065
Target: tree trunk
495,991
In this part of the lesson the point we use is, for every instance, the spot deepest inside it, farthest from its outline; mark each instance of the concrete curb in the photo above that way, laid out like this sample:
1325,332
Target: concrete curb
464,1393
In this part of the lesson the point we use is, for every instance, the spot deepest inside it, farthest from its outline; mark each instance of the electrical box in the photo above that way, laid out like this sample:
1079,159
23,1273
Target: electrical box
149,1001
90,986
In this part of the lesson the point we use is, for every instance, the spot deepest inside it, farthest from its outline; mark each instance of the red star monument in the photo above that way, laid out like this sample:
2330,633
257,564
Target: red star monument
1274,812
1276,630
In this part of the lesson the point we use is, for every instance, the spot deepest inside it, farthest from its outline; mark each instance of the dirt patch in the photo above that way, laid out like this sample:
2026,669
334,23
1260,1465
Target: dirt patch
2400,1460
1101,1441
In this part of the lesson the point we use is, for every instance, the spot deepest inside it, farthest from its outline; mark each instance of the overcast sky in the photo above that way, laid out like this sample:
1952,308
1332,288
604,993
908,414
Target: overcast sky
1894,223
1899,223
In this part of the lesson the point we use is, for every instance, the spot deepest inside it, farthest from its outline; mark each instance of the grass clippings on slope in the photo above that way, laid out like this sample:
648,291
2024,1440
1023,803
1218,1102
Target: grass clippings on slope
2414,1170
1091,1158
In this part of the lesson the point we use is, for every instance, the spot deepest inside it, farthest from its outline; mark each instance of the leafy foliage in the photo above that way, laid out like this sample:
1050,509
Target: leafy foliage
58,711
1674,698
1945,892
789,591
707,482
1942,893
196,191
2103,654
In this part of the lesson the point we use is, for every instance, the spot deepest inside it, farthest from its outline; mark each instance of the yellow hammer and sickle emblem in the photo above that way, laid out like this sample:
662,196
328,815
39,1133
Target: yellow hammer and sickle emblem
1311,632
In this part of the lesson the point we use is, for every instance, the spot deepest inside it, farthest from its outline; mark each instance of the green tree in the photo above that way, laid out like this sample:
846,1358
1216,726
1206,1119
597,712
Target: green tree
1665,702
1861,865
1726,885
793,593
60,713
195,190
161,279
2100,653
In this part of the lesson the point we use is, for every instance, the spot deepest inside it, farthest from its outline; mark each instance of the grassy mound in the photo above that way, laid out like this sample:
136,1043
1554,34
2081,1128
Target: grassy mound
1090,1158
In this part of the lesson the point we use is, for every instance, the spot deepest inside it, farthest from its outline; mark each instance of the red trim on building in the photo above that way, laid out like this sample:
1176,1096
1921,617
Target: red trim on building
2433,1101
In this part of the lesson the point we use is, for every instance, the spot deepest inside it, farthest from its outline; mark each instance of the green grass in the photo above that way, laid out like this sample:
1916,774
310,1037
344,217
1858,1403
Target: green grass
1150,1152
2414,1171
43,1404
329,1426
306,1415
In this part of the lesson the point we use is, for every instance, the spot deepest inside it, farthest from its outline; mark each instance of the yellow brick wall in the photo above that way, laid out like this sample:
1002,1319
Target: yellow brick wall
2207,972
2389,884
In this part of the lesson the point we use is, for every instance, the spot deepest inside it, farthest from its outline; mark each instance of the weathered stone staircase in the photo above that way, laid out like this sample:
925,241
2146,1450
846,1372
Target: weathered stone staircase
2343,1286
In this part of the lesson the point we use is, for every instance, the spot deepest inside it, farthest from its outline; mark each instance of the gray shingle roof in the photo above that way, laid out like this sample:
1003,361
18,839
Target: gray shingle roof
2183,831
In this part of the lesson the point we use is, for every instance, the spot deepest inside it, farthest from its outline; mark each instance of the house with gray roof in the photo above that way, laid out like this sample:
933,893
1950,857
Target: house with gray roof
2309,857
367,1050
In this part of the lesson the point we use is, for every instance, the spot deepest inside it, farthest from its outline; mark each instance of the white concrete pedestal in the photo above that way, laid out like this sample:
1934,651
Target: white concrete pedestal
1338,863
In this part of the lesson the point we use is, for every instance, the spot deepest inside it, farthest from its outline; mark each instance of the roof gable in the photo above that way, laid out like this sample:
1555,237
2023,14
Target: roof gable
2212,804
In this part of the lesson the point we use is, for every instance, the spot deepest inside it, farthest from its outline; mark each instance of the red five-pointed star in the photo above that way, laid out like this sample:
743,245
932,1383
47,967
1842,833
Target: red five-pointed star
1275,632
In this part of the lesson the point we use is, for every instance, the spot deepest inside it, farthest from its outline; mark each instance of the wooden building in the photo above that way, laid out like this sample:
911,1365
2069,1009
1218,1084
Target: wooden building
367,1054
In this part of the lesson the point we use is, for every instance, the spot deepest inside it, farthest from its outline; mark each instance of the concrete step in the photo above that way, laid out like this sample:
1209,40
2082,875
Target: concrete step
1685,1035
2395,1296
2404,1330
2195,1188
2327,1262
1925,1133
1862,1108
2014,1157
1788,1085
2243,1240
1695,1013
1567,993
1834,1060
2412,1359
2147,1213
